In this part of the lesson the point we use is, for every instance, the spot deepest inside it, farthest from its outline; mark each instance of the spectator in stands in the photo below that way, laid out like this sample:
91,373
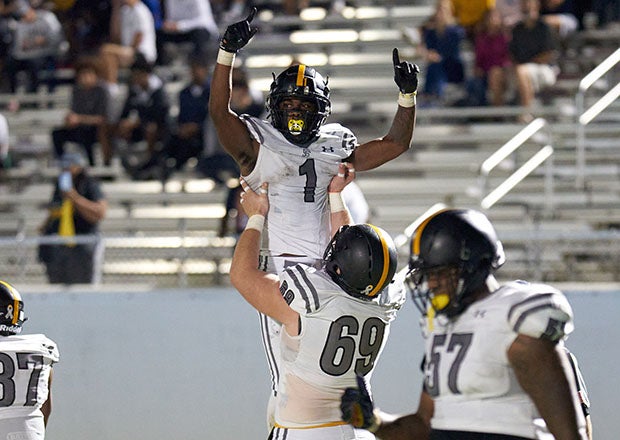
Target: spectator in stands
10,10
560,16
510,11
441,38
187,21
87,26
155,8
145,114
229,11
136,33
533,53
492,61
607,11
86,120
77,207
186,141
470,13
36,44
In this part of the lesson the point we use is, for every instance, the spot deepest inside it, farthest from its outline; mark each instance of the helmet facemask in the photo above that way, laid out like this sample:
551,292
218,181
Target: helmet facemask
462,247
299,83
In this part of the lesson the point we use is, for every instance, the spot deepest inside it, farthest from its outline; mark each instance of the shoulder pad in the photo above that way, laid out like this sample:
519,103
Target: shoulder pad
540,311
297,289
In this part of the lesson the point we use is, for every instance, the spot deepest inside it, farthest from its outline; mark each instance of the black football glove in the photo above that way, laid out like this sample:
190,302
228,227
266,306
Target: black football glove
238,34
405,74
356,406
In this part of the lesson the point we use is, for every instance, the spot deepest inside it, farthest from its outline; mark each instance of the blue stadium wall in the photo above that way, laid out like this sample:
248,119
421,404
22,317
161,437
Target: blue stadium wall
189,363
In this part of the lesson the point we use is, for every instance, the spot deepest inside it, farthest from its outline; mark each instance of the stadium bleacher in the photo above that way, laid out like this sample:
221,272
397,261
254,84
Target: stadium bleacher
576,238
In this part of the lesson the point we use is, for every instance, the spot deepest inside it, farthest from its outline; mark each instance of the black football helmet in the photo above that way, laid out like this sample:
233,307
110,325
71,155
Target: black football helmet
461,239
299,82
11,310
361,259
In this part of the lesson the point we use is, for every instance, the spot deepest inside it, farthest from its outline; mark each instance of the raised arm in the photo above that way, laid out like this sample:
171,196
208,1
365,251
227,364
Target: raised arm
260,289
398,139
339,213
232,132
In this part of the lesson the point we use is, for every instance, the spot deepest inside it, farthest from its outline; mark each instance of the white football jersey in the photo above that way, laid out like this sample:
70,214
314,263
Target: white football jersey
298,218
341,336
26,362
467,372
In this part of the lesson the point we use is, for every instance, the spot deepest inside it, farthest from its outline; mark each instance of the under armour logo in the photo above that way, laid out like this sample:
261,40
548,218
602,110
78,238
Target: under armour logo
480,313
9,312
328,149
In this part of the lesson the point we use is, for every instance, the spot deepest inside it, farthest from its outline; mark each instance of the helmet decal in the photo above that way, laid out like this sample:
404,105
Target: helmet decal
301,81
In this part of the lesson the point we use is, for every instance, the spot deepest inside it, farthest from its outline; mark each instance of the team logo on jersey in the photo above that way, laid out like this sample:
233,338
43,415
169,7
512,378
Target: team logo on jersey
295,126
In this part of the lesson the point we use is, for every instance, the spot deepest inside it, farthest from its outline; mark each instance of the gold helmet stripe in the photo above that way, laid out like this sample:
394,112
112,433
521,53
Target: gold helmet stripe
415,244
301,70
386,261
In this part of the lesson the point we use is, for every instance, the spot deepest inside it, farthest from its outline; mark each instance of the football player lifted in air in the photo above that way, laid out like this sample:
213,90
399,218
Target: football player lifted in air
336,319
494,366
27,361
298,153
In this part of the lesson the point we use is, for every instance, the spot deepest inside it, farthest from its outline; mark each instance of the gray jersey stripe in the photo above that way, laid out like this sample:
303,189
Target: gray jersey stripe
526,313
531,299
271,360
315,295
303,292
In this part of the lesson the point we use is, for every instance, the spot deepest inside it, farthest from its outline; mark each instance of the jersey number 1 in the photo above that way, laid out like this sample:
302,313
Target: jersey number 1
307,169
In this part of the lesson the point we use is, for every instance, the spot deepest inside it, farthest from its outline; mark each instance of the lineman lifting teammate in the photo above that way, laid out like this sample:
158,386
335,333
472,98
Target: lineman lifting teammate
336,319
298,153
26,363
494,366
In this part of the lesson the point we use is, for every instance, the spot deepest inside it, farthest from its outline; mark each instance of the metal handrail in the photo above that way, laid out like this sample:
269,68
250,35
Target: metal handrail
584,117
488,200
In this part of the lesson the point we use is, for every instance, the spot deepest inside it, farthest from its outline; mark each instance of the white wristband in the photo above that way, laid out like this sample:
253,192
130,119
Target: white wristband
336,204
225,58
406,99
257,222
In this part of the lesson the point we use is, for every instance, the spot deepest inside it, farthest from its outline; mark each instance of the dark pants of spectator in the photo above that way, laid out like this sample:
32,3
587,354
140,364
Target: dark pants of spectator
84,135
198,37
71,264
607,11
182,150
217,166
34,69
